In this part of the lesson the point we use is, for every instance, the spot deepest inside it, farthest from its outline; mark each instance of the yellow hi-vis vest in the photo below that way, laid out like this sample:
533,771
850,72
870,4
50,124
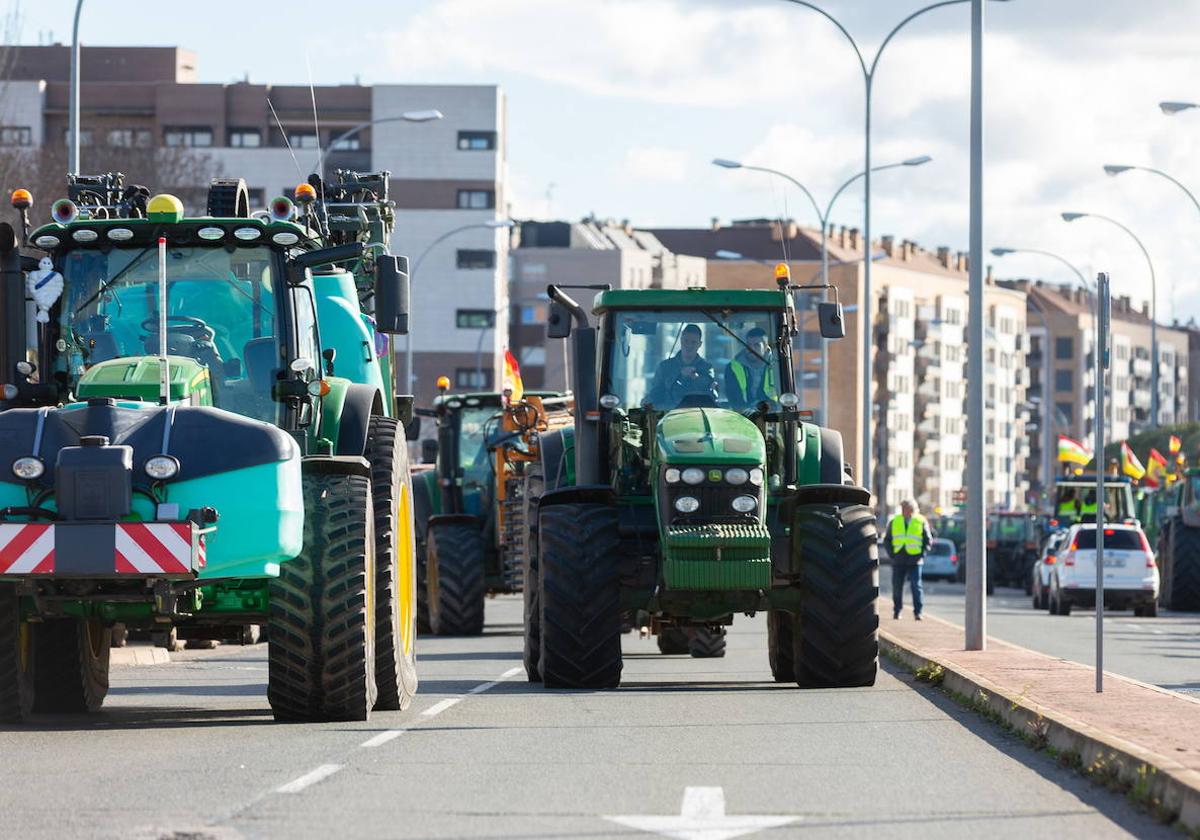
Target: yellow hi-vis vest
911,542
742,376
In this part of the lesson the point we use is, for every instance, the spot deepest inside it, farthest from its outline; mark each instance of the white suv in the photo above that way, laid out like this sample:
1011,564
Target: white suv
1130,573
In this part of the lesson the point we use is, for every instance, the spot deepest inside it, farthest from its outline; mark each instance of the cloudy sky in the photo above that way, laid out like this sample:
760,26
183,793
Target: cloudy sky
617,106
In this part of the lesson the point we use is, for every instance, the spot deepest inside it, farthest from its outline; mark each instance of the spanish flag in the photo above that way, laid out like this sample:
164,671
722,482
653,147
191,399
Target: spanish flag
1156,468
512,377
1073,452
1130,465
1174,445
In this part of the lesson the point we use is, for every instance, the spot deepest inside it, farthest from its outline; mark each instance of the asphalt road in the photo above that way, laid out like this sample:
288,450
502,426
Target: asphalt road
188,750
1163,651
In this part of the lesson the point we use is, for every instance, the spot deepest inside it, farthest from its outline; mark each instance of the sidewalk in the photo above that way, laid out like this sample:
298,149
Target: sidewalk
1147,736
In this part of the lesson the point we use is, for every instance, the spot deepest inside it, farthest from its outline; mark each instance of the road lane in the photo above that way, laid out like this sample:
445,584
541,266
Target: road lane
1163,651
189,747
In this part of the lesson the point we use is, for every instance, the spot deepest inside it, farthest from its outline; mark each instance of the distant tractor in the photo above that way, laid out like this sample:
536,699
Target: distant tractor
472,506
691,489
200,434
1012,546
1179,545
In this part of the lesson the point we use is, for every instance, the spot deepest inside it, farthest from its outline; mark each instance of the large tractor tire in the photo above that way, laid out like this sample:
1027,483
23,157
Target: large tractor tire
532,594
706,642
1180,586
395,567
454,577
836,643
71,659
672,641
780,645
322,648
16,659
228,198
580,596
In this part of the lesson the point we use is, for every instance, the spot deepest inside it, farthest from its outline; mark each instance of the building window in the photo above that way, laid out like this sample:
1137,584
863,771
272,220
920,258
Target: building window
1064,347
533,356
1064,380
476,199
1065,413
346,144
302,139
480,380
533,313
474,319
258,197
16,135
476,258
245,138
128,138
189,136
85,137
476,141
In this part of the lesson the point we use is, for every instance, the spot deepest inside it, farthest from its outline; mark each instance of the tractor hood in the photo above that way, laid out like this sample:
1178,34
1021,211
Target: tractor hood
709,436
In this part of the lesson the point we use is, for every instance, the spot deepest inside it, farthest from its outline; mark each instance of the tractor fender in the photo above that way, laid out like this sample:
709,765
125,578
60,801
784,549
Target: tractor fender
833,461
346,415
558,458
335,465
829,494
599,494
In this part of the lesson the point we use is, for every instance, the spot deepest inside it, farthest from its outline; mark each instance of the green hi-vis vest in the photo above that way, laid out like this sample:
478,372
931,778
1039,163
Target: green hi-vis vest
911,542
741,374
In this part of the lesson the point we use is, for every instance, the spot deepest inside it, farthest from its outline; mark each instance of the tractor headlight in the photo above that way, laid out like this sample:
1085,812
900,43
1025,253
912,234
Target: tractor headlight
789,400
28,468
737,475
693,475
687,504
162,467
671,475
610,401
10,391
756,477
744,504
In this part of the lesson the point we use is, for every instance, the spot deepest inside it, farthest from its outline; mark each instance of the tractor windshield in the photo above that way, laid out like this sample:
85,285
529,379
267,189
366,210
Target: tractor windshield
474,427
669,360
221,312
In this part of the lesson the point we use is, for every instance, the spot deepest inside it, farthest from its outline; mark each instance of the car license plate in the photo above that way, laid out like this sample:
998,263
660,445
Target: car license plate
1114,563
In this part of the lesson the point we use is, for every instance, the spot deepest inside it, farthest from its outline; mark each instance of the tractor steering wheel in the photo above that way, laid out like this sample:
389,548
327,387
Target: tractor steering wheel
185,322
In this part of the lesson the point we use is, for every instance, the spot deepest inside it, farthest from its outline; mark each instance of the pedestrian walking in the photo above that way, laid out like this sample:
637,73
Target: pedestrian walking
910,539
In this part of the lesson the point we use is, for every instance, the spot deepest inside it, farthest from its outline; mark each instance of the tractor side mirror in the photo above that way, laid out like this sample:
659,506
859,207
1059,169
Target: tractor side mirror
558,322
412,429
833,325
429,451
391,294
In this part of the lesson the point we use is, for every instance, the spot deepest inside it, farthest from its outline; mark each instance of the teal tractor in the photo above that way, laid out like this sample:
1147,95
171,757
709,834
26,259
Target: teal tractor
692,489
200,431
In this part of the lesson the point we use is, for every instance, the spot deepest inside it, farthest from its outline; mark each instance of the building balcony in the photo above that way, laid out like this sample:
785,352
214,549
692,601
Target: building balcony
1141,368
1141,399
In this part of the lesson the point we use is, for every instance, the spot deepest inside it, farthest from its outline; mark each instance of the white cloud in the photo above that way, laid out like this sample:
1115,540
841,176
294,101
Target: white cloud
657,164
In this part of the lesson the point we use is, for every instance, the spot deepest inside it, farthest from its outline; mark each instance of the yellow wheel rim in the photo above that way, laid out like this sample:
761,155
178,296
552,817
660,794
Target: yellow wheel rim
24,645
406,571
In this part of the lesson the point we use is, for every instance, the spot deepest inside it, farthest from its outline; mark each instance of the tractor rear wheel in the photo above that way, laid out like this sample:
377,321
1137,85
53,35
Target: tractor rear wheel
1181,577
321,648
672,641
706,642
395,573
228,198
836,644
16,659
71,671
581,608
780,634
454,576
534,486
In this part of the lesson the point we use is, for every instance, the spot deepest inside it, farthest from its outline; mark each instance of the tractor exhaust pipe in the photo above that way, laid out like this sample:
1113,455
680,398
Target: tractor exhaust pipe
588,457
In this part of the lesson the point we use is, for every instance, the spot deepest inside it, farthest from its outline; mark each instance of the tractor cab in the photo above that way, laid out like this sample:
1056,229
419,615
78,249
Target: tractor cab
1075,500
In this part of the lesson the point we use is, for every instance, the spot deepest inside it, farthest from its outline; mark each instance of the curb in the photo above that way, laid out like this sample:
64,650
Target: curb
1174,785
140,655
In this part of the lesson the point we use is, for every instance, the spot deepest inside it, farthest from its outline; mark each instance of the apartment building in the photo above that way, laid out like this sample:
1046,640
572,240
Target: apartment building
917,370
1062,377
586,253
448,176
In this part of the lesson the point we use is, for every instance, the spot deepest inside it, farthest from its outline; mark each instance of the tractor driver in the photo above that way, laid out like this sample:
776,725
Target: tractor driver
750,376
681,375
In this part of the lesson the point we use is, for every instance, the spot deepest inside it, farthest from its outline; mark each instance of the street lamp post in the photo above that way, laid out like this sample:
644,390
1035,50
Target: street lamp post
824,220
1070,217
1173,108
73,116
491,224
408,116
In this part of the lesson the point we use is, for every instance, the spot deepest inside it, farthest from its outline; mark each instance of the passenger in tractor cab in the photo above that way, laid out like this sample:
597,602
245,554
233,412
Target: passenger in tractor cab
750,375
686,374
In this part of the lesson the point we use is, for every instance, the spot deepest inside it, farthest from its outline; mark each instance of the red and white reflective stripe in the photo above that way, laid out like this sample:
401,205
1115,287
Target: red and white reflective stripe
154,547
26,549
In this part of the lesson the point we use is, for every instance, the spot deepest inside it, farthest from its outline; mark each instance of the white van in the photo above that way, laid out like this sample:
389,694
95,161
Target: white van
1130,573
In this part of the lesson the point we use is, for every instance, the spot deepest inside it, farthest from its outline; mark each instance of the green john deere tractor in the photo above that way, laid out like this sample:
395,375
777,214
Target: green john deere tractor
199,431
1179,545
690,489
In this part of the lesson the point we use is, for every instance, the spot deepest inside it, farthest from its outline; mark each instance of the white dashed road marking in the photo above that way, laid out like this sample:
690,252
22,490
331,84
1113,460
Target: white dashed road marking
309,779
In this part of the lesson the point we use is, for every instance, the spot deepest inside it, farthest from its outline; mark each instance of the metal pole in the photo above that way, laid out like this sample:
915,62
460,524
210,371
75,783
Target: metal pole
824,343
1101,364
865,307
164,371
73,115
976,623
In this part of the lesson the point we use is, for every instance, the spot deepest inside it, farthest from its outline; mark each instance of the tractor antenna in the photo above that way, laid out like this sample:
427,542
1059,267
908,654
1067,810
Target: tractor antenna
312,91
286,142
164,372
